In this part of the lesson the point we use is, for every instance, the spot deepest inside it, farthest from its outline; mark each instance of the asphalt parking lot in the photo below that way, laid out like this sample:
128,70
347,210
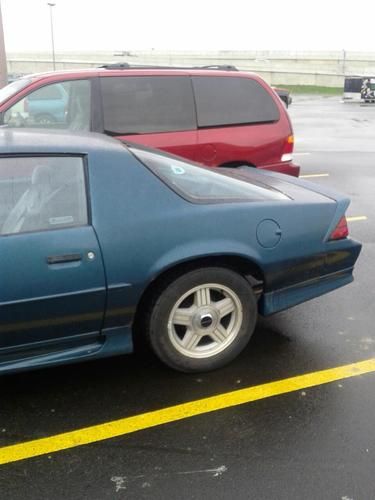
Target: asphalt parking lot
303,438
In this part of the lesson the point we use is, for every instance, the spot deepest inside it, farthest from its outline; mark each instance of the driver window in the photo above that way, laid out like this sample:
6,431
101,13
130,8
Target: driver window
38,194
64,105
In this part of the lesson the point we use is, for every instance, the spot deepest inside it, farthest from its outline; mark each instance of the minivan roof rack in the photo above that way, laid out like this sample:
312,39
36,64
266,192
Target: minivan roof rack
125,65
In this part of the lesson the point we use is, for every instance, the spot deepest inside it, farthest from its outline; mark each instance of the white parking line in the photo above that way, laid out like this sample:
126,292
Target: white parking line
357,218
310,176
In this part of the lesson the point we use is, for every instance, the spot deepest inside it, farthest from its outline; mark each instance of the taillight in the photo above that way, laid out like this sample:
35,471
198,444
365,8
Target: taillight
341,231
288,149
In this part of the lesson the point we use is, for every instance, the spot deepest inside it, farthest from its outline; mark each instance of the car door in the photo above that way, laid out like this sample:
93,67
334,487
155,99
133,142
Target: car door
52,284
156,111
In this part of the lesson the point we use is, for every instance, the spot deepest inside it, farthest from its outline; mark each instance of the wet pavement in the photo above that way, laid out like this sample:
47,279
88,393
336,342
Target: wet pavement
309,444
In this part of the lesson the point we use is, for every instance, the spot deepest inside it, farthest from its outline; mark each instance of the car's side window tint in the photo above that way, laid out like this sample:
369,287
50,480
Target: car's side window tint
232,100
64,105
142,104
41,193
204,185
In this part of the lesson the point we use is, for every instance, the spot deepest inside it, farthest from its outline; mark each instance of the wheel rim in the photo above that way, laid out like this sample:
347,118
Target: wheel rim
205,320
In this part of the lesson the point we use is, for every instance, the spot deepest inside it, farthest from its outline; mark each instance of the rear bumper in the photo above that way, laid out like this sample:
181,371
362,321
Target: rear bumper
286,167
284,298
311,277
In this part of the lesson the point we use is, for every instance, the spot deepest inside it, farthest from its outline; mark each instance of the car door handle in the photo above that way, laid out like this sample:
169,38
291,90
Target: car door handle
62,259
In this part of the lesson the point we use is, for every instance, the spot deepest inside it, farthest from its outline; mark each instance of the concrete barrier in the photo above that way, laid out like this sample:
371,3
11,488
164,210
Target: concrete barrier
293,68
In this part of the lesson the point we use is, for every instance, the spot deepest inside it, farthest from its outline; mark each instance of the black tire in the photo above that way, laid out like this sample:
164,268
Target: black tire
227,286
45,119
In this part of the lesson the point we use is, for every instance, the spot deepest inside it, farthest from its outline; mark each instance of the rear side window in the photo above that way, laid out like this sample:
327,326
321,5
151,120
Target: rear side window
41,193
203,185
232,101
140,104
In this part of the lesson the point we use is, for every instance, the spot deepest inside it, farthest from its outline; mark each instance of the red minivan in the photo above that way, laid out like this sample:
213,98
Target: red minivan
215,116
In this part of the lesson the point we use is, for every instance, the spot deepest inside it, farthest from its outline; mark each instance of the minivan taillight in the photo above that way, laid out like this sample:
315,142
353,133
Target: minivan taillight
288,149
341,231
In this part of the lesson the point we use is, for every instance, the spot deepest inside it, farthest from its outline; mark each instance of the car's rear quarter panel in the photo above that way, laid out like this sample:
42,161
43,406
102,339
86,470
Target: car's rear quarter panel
257,144
145,228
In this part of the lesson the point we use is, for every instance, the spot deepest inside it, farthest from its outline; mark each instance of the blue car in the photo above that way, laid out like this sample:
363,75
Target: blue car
47,105
103,243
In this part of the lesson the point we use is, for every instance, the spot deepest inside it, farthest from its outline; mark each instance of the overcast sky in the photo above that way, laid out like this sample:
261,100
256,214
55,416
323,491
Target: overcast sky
190,24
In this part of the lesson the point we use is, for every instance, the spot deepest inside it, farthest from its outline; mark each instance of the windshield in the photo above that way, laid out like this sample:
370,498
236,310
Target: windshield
13,88
204,185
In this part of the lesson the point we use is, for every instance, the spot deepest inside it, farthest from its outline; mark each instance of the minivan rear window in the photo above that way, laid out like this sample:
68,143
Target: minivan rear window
232,100
203,185
142,104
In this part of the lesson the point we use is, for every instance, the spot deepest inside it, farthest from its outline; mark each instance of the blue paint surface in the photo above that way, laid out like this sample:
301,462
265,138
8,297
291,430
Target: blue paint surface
140,229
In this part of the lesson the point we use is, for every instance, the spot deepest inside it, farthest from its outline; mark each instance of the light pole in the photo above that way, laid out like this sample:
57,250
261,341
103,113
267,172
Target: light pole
50,4
3,59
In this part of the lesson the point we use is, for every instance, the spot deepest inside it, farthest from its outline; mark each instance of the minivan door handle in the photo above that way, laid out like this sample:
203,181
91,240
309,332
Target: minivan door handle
62,259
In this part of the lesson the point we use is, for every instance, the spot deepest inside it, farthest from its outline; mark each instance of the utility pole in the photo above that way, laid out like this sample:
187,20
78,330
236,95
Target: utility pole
3,59
51,5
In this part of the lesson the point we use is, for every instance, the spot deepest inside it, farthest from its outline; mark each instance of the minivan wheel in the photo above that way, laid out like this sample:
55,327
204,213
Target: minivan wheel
203,319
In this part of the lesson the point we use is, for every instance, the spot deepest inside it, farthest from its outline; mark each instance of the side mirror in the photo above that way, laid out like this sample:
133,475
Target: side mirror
12,119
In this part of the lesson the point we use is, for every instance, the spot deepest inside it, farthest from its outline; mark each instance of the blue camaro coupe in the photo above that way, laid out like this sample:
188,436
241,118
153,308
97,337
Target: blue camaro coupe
102,242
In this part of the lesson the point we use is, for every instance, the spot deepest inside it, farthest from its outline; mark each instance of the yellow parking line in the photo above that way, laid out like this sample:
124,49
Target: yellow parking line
357,218
310,176
150,419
